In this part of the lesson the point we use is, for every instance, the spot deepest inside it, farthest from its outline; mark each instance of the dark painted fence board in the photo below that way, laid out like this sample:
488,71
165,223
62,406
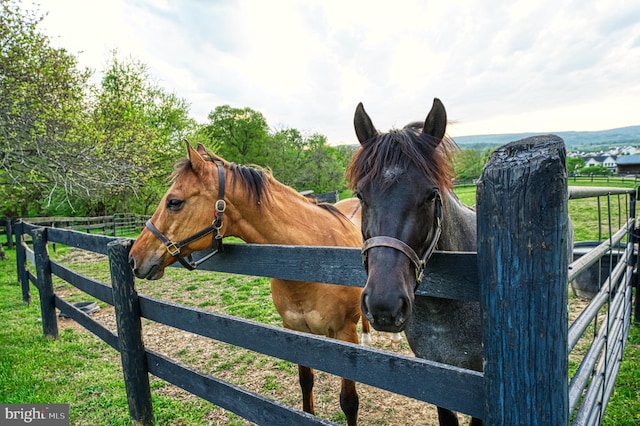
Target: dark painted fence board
522,247
450,275
397,373
250,406
88,285
87,322
94,243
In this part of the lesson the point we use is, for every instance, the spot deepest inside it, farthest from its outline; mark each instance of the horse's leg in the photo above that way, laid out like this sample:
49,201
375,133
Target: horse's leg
447,417
476,422
349,401
396,338
306,383
365,340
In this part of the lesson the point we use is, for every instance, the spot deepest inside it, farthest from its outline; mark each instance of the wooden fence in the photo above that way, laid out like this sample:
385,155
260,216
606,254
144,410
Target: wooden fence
104,225
519,273
6,229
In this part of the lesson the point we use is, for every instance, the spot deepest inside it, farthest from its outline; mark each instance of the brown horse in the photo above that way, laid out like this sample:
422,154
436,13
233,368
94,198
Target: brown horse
258,209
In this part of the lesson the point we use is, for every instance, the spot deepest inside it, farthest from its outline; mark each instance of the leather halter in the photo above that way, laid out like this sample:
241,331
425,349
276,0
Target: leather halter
419,263
174,248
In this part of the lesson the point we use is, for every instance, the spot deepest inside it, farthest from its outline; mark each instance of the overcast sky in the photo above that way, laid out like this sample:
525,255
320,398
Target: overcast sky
498,66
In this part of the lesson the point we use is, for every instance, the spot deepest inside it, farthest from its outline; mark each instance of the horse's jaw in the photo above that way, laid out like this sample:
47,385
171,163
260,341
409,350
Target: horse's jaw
155,272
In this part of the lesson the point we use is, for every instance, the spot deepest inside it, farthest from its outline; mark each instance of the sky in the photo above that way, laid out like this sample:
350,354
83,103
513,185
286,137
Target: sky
498,66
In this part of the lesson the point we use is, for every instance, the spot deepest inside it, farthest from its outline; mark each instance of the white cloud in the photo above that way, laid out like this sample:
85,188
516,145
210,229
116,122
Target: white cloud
516,67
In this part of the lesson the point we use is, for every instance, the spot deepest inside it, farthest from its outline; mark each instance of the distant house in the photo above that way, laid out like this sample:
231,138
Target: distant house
628,164
608,161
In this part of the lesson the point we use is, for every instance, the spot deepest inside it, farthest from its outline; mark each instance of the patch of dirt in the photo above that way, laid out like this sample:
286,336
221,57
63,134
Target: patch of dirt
82,256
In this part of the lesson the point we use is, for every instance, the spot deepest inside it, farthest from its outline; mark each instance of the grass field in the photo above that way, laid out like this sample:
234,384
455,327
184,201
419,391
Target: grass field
78,368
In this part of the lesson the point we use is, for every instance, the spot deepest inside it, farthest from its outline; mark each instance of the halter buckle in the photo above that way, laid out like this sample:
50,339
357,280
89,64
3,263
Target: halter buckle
173,249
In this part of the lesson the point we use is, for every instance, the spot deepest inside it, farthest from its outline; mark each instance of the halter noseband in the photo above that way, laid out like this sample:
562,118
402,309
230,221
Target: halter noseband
174,248
419,263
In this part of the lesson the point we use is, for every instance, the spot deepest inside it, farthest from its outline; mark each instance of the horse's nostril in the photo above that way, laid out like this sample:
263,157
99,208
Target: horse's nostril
364,307
403,312
132,262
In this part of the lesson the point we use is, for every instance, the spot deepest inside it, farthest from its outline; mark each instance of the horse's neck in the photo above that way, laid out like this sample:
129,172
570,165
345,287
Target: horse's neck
288,218
458,226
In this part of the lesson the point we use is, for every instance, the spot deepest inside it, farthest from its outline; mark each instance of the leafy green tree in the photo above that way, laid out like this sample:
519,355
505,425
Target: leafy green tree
323,171
468,164
305,162
285,154
574,164
139,129
239,134
596,170
43,157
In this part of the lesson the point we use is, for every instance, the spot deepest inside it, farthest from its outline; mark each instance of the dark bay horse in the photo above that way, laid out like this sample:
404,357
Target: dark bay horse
403,179
211,197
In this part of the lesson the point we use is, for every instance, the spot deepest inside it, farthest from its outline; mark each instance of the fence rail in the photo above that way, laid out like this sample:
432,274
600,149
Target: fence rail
451,275
107,225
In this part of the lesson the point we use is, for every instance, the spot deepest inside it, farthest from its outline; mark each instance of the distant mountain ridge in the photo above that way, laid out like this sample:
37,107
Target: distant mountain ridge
574,140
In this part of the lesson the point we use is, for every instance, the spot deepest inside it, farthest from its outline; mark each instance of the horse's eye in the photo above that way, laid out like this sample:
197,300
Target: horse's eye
174,203
433,194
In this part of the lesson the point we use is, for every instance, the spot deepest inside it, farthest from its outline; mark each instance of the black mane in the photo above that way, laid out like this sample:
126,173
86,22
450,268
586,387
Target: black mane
401,148
254,180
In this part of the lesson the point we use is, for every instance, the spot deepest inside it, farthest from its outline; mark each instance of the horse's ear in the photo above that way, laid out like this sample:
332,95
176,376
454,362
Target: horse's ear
197,162
208,155
436,122
363,125
202,150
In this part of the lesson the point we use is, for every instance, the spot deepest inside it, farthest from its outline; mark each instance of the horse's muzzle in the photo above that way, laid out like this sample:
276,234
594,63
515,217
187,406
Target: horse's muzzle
148,270
385,314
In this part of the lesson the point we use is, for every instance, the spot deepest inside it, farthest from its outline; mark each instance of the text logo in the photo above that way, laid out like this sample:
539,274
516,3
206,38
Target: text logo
35,414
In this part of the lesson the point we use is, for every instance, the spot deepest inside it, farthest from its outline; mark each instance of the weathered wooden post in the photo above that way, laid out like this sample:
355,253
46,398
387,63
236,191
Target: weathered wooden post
113,225
21,260
522,267
45,284
132,352
9,228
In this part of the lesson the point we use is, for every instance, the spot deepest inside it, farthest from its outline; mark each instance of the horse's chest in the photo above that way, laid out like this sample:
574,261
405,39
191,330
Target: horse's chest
446,331
306,321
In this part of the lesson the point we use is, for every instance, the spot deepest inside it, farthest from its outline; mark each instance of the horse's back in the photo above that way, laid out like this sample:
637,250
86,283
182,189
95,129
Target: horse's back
350,207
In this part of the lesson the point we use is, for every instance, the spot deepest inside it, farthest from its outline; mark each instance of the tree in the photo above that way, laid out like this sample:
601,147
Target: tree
42,103
239,135
306,162
595,170
139,129
468,164
285,154
574,164
323,171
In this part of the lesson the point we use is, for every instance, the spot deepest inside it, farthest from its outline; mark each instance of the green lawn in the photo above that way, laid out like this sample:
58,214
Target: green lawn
77,367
